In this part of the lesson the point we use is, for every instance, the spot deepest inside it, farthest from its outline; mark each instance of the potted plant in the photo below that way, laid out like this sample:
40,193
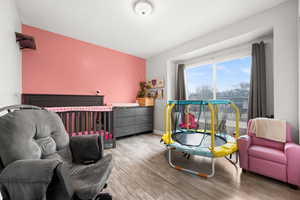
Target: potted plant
142,97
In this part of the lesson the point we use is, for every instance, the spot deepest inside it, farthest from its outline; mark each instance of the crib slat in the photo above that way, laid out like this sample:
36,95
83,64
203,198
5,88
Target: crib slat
92,121
89,122
105,124
77,122
86,122
109,128
70,119
109,120
112,129
86,116
99,122
95,122
82,120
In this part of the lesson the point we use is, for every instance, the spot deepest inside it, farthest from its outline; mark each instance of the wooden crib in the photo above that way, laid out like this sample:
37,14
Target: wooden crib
88,120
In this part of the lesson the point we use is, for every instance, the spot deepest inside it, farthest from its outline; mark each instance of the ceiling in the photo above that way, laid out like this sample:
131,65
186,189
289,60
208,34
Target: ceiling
113,24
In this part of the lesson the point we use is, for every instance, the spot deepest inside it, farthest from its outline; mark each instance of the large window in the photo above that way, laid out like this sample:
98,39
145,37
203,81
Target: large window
228,79
199,82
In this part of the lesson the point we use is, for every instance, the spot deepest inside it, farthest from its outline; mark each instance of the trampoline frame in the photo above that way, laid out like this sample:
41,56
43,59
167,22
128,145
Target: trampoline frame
192,171
167,137
212,173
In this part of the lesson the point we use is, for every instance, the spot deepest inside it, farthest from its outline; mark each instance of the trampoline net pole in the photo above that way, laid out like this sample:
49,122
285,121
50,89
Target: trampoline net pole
237,119
216,118
212,126
165,118
170,121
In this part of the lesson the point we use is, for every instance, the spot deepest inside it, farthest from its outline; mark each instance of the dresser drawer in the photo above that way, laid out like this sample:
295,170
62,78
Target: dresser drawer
124,112
145,111
124,121
144,119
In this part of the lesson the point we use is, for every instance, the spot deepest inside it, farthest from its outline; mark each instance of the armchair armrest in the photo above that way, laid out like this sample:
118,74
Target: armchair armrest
86,149
292,152
27,179
244,143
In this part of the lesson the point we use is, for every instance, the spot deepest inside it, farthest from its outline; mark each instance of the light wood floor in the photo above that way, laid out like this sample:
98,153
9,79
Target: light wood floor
141,172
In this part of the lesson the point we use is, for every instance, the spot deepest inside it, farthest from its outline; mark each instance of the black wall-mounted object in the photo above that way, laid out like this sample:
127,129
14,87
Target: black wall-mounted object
25,41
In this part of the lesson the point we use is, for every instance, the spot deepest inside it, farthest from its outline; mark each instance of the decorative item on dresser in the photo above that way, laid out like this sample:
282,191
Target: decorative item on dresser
81,114
143,97
132,120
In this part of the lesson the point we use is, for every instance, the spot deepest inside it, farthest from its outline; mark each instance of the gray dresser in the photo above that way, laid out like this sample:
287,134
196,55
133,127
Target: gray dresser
132,120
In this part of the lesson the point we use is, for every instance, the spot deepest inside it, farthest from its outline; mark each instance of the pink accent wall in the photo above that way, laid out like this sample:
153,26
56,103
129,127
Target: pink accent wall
62,65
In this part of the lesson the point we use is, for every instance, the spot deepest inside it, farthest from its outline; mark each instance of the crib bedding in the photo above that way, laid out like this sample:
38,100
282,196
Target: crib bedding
81,108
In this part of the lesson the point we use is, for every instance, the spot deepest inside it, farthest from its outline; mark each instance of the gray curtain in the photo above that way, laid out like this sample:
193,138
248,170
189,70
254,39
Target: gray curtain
180,89
257,98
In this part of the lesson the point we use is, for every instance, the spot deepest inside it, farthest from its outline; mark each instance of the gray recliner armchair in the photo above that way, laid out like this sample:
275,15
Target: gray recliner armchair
39,161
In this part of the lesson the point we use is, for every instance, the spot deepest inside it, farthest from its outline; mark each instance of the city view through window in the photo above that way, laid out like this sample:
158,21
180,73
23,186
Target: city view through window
221,80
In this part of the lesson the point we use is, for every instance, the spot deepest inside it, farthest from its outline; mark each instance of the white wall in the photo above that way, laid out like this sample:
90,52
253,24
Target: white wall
269,76
283,21
10,55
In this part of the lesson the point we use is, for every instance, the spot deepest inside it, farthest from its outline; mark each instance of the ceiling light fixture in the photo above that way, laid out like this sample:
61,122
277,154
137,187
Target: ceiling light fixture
143,7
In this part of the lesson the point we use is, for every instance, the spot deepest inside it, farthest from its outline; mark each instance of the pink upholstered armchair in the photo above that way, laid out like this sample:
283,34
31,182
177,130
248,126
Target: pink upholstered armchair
270,158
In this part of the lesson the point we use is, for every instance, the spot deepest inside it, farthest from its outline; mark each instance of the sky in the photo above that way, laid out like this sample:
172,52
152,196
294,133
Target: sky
229,74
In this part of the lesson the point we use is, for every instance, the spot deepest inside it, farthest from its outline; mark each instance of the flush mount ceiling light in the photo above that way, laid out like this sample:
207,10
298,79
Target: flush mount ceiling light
143,7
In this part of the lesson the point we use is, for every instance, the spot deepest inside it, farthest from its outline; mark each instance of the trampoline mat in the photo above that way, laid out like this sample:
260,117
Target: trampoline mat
197,139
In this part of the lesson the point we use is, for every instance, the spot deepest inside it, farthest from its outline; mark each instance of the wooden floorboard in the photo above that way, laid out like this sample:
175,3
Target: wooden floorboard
141,172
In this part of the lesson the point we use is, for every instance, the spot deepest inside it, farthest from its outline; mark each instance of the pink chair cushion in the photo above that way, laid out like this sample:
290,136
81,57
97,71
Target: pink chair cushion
266,153
267,143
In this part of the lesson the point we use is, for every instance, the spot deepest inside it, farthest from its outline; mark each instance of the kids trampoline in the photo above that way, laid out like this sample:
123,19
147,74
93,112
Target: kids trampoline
208,128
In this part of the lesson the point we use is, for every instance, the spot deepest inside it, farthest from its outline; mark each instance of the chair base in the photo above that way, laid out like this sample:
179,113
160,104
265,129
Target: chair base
294,187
